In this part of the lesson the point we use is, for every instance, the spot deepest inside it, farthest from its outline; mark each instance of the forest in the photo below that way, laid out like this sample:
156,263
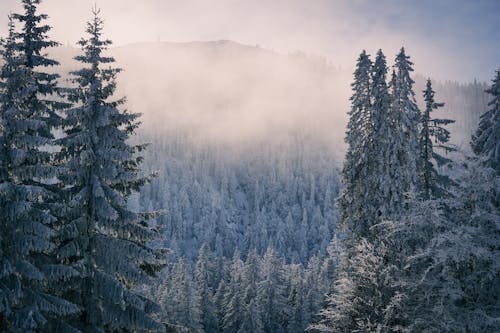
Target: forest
364,207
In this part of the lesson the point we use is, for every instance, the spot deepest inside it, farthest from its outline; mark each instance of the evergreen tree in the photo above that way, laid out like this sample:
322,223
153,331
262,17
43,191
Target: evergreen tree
404,117
433,184
365,296
354,172
299,317
203,276
450,278
104,239
251,311
271,293
486,140
380,182
220,304
233,306
184,300
28,197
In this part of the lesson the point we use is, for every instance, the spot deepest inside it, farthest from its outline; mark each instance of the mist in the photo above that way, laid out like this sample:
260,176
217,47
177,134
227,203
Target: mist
448,40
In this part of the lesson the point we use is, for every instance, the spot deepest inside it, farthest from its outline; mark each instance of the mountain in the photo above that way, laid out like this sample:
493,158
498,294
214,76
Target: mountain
248,142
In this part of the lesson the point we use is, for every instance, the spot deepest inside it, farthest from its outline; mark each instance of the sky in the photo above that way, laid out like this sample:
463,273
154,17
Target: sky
447,39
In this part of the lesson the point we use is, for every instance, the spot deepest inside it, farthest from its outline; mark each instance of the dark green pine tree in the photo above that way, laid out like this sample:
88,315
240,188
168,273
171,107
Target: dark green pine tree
29,210
433,136
102,238
486,141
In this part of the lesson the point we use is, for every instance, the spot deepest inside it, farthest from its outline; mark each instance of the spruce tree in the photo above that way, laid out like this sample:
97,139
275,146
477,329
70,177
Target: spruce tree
380,182
203,277
106,241
433,136
354,173
251,311
271,293
404,117
28,198
233,305
486,140
184,300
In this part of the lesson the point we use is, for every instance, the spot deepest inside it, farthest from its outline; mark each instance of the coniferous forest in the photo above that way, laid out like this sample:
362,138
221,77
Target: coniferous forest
113,221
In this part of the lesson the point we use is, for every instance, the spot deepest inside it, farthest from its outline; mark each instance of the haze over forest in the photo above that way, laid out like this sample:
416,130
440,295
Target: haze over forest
238,166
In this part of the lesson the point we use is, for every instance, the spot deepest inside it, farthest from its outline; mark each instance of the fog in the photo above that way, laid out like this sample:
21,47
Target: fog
448,39
229,92
240,71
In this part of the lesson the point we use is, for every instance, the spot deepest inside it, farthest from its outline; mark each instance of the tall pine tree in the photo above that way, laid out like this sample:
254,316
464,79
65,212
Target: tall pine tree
28,198
433,135
404,117
104,239
354,173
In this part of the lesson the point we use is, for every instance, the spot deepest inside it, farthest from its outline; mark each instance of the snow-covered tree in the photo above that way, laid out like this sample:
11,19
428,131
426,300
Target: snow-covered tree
366,294
103,239
251,311
271,293
433,137
404,116
380,188
233,303
183,308
354,172
299,316
203,277
486,140
449,248
28,198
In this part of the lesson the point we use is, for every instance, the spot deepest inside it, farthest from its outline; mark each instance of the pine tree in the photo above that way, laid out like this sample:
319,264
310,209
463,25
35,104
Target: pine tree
299,317
380,185
184,300
486,140
365,295
354,172
433,184
449,281
202,283
233,306
28,198
271,293
104,239
404,117
219,303
251,311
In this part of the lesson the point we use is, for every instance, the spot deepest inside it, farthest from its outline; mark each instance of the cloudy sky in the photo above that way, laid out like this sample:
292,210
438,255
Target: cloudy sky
447,39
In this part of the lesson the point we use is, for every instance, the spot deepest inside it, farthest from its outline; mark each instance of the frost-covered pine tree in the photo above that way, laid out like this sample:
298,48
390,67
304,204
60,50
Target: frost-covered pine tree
28,199
251,311
404,116
433,137
271,293
183,302
451,246
203,277
298,317
104,240
380,183
486,140
233,303
354,172
365,295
